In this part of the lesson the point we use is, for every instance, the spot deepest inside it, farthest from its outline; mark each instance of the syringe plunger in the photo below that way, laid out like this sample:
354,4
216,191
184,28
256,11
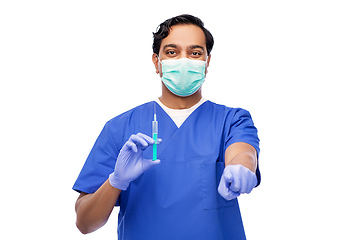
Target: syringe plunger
154,125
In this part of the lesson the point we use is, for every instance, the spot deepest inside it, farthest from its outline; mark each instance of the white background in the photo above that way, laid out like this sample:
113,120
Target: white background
66,67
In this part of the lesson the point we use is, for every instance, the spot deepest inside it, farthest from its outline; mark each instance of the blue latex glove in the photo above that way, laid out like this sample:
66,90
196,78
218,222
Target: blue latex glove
235,180
130,163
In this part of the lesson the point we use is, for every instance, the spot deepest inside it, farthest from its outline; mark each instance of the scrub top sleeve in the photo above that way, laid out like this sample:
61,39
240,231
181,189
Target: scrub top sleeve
99,164
242,129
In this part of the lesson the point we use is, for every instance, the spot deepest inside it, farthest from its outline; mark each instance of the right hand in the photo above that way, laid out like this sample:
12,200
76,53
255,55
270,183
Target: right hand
236,180
130,163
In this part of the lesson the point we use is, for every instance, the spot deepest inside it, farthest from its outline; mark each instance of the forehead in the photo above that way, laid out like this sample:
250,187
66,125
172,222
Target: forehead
185,35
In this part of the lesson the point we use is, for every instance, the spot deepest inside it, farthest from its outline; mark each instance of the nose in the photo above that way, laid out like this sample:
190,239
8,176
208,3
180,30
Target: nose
183,54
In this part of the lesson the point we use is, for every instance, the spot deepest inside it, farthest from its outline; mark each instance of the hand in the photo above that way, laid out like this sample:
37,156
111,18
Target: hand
235,180
130,163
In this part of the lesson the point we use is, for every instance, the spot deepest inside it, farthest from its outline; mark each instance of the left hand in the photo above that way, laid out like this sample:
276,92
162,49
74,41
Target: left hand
130,163
236,180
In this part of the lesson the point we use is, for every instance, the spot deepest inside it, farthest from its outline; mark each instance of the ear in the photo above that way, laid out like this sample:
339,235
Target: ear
155,60
207,63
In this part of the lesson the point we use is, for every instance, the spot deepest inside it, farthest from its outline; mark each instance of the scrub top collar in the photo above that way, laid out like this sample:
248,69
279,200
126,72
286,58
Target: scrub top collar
180,115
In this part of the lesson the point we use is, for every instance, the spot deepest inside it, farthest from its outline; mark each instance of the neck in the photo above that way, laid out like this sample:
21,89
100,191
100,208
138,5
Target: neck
170,100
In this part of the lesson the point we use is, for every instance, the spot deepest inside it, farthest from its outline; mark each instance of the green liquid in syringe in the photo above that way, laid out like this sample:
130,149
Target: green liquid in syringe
155,147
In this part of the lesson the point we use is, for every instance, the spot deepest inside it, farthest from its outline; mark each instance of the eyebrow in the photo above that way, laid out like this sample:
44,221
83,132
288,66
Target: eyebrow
171,45
196,46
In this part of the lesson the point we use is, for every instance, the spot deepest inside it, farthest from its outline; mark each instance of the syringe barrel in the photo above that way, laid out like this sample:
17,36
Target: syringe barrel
154,127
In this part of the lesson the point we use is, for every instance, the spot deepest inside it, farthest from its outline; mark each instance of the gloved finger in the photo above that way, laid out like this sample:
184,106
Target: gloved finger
236,184
222,187
158,141
232,195
232,178
130,145
224,191
139,140
250,183
148,163
228,177
148,139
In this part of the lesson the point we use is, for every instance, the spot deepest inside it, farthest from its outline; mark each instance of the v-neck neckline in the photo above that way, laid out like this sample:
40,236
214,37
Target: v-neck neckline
180,116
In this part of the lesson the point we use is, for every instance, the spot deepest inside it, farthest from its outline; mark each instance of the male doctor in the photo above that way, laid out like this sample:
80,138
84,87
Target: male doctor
207,153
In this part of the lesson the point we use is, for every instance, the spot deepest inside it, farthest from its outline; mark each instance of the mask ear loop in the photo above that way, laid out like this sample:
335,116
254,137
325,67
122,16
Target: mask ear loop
159,62
158,59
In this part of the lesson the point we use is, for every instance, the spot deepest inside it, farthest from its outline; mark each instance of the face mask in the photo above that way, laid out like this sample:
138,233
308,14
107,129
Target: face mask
183,76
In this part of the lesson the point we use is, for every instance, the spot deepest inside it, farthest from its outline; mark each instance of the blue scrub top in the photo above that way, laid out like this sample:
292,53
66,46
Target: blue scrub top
177,199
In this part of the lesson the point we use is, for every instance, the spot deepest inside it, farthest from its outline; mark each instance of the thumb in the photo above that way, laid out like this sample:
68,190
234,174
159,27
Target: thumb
148,163
228,177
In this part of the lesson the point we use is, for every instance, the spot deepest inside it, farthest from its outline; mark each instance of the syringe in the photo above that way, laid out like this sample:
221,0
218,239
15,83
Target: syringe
155,133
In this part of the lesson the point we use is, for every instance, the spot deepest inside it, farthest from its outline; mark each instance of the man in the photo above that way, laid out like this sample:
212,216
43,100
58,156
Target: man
208,153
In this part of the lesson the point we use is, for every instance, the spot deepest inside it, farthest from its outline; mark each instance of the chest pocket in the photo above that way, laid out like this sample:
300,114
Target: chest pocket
211,173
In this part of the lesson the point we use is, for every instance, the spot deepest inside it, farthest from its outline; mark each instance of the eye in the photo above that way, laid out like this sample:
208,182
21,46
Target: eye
170,52
196,54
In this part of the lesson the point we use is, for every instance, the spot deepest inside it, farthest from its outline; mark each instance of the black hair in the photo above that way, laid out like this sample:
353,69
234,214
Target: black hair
164,29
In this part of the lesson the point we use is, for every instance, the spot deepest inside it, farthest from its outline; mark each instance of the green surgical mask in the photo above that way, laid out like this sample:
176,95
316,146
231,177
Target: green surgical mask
183,77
